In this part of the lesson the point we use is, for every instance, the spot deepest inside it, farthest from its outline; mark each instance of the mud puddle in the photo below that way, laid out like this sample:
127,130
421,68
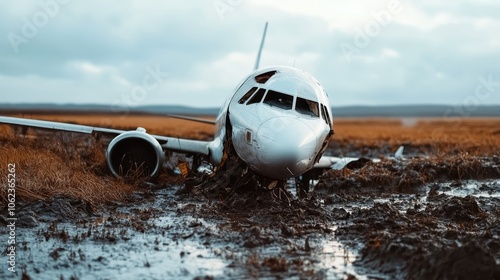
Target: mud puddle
143,240
477,189
345,229
164,236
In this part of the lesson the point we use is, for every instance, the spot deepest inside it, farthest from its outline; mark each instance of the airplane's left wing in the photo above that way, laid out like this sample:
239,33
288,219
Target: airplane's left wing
168,143
129,151
58,126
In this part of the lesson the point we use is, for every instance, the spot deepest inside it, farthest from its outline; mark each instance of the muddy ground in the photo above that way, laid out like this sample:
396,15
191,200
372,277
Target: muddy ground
342,231
413,218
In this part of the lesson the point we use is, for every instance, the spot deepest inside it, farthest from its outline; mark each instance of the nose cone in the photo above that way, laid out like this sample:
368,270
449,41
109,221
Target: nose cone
285,147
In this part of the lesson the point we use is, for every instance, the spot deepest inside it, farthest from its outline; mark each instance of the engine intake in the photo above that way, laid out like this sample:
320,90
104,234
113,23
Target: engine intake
135,153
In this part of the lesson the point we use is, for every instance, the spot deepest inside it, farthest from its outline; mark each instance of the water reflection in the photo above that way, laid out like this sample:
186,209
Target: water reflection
337,259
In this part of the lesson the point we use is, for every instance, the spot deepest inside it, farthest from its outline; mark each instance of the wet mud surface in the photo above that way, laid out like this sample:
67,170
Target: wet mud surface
411,218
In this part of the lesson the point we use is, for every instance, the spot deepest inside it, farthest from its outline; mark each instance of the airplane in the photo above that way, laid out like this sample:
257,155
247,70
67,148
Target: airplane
278,122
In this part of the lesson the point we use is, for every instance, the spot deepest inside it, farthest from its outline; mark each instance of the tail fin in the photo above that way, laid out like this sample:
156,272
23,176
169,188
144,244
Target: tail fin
399,152
257,61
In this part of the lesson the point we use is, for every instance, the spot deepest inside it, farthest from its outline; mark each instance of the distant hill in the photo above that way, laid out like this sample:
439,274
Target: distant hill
416,111
106,109
347,111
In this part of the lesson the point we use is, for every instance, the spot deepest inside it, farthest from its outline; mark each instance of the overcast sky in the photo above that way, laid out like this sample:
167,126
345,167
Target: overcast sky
194,53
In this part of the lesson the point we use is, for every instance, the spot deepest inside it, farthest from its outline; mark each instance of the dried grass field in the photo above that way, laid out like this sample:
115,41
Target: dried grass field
75,165
414,218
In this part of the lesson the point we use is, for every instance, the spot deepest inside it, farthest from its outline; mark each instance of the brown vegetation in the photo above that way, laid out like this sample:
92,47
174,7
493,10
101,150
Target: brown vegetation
57,168
74,165
451,136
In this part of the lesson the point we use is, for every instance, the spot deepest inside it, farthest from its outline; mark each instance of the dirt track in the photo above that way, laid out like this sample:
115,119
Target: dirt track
415,218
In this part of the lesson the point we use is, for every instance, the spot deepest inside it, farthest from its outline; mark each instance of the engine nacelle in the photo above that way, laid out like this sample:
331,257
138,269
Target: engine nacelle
135,151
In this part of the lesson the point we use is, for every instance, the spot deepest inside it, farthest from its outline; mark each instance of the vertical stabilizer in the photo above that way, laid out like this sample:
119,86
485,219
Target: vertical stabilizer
257,61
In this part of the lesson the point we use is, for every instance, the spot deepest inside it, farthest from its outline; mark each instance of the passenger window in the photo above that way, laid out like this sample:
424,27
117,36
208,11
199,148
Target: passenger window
257,97
247,95
278,99
307,107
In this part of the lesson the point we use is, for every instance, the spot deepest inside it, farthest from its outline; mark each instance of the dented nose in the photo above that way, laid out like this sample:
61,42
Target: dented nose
285,147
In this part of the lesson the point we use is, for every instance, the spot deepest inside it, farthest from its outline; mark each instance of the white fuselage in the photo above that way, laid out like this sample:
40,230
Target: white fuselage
279,122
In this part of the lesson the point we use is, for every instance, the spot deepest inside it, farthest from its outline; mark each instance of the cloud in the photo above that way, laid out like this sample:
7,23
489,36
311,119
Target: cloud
95,52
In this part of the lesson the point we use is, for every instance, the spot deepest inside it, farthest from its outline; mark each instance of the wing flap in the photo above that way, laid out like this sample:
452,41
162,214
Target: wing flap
186,145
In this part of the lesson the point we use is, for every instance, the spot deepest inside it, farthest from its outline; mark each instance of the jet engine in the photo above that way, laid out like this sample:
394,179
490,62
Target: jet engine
135,153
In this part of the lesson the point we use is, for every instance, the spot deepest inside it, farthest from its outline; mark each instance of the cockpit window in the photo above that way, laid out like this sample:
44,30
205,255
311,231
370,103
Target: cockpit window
247,95
279,99
307,107
257,97
325,115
